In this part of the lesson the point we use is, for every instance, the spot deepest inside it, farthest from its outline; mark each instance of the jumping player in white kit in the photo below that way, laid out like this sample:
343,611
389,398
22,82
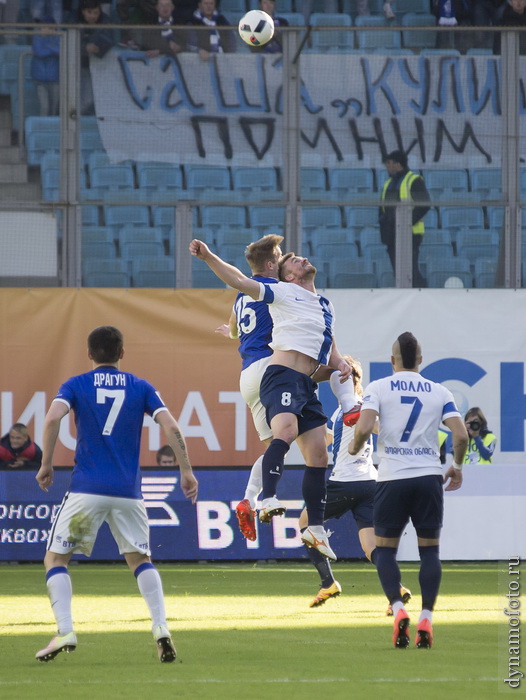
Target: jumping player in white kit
302,341
411,409
109,407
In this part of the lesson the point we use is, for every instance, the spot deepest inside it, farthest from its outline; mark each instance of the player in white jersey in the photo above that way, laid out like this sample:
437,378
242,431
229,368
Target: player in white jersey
350,487
411,409
287,389
109,407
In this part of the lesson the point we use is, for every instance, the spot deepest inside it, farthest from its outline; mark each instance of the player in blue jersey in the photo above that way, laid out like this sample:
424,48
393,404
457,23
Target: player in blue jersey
302,342
411,409
109,407
350,487
251,323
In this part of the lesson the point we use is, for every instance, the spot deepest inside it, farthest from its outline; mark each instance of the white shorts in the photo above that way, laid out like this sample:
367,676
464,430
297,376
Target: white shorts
81,515
249,382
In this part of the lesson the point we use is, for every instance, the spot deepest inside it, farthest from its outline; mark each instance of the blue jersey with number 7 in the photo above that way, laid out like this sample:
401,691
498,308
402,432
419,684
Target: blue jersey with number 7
109,407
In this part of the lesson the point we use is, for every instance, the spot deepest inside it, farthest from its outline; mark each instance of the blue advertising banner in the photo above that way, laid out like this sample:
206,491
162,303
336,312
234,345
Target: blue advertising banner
179,530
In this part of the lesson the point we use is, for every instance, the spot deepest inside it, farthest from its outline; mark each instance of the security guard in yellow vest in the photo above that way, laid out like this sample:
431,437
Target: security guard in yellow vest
482,441
401,185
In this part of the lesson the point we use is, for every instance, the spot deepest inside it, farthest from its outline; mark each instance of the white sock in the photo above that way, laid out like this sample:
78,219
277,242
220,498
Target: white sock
255,482
425,615
60,594
397,606
151,588
343,392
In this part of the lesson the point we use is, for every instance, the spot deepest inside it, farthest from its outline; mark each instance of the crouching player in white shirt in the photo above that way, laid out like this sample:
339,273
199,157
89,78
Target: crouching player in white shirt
411,409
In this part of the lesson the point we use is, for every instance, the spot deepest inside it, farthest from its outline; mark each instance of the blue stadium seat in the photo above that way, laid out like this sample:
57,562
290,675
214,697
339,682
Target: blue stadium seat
446,180
322,235
154,280
419,39
90,215
100,251
90,141
207,181
486,183
336,252
107,178
314,217
333,40
96,264
350,183
358,274
361,216
384,272
381,37
472,252
239,237
140,234
368,236
313,184
255,182
295,19
9,58
401,7
284,6
136,251
97,234
39,143
263,218
152,176
455,218
216,216
51,183
433,252
117,217
485,273
202,276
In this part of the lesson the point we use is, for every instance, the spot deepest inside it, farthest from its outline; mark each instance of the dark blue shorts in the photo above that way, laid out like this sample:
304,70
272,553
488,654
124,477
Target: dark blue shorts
354,496
420,499
284,390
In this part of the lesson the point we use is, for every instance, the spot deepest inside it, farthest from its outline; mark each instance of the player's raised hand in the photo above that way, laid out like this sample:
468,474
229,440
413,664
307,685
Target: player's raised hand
224,329
344,369
199,249
189,486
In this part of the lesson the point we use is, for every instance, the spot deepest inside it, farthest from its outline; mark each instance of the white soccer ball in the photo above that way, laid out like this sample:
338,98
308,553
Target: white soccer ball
256,28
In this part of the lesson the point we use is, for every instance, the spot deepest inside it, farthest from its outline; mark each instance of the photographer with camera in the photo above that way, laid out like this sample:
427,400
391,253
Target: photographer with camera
482,441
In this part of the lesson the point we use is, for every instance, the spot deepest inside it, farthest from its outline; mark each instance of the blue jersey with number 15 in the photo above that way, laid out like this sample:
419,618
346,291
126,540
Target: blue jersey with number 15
254,326
109,407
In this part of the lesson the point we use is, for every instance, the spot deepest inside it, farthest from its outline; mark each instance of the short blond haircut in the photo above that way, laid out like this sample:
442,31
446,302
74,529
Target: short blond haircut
261,251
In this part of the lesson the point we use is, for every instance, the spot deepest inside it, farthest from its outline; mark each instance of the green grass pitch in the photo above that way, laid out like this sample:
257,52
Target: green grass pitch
246,631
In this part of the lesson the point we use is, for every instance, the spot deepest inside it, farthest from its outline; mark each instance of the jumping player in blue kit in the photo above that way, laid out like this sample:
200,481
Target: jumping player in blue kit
302,342
109,407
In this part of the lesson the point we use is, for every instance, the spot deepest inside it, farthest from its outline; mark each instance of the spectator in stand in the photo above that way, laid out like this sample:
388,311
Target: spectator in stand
45,67
18,450
511,14
482,441
95,41
165,457
9,15
166,40
275,45
215,40
484,13
41,9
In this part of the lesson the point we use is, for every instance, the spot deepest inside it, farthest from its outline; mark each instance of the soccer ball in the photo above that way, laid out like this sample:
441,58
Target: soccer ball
256,28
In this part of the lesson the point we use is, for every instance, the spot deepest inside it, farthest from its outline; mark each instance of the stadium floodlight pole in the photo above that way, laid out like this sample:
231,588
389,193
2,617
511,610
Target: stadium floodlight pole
70,157
510,158
291,141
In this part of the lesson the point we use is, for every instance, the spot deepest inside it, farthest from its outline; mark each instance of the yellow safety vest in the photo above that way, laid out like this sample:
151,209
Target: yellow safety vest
473,456
405,194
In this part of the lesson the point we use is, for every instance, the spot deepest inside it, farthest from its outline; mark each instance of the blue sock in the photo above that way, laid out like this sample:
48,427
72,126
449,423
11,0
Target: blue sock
430,575
374,556
314,494
322,565
272,467
388,572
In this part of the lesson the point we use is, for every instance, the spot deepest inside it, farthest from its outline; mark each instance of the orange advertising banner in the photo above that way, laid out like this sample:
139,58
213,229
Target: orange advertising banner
169,340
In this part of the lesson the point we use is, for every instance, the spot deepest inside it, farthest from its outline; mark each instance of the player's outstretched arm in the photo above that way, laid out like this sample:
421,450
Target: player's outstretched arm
337,362
226,272
177,442
56,413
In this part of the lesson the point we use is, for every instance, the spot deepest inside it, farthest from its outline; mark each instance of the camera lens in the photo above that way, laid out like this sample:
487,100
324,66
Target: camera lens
474,425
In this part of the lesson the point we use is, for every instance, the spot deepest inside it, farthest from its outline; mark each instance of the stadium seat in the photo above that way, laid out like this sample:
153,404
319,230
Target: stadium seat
440,271
440,181
255,183
433,252
333,40
107,178
139,251
202,276
368,236
381,37
39,143
384,273
472,252
295,19
97,234
486,183
90,215
95,264
485,273
139,234
313,184
99,251
117,217
263,218
314,217
454,53
332,253
320,236
419,39
216,216
354,280
361,216
284,6
9,62
455,218
207,182
90,141
154,280
351,183
155,176
239,237
402,7
107,279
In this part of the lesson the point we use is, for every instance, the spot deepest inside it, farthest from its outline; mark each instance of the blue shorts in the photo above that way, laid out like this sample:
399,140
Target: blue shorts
354,496
284,390
420,499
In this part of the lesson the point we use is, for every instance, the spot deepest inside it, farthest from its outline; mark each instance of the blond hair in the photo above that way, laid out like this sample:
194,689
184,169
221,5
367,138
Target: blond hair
262,251
356,372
